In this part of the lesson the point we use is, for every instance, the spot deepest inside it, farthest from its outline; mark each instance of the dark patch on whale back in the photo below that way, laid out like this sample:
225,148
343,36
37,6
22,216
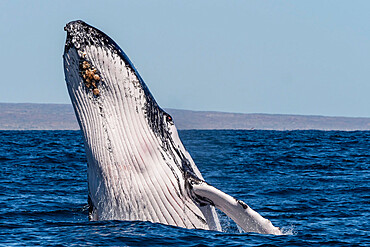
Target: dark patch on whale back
243,204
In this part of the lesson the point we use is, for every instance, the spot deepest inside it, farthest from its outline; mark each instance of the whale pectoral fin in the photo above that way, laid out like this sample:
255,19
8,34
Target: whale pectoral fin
248,219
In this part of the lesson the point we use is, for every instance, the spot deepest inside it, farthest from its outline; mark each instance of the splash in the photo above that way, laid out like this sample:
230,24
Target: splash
288,230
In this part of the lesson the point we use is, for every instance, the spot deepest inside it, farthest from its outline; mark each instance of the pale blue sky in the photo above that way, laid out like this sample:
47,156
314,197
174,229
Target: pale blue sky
289,57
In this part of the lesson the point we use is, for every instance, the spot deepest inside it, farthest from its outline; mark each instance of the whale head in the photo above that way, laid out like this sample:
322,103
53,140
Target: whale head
98,55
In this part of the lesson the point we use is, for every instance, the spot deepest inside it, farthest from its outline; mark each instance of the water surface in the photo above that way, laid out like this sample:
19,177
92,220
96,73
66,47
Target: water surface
313,184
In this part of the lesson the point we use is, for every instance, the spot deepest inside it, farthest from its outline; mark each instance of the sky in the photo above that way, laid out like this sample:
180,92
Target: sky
278,57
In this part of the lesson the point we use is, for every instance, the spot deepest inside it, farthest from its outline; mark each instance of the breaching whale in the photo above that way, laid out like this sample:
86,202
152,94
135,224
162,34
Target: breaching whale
138,168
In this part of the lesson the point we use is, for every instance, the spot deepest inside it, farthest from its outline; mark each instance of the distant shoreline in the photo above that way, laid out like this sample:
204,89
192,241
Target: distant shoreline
31,116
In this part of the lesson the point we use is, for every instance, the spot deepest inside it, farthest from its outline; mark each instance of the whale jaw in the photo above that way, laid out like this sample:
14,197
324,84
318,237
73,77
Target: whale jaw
138,168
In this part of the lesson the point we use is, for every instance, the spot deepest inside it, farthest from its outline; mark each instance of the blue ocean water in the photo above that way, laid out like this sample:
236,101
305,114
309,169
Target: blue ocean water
313,184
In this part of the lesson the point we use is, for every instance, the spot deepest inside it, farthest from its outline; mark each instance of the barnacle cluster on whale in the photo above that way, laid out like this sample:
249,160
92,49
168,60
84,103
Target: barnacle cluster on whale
90,76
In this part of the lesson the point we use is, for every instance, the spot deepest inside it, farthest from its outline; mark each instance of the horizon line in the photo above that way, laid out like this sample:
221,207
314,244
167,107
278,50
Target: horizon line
214,111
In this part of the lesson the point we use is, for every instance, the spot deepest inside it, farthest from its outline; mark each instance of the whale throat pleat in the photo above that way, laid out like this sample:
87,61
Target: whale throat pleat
128,177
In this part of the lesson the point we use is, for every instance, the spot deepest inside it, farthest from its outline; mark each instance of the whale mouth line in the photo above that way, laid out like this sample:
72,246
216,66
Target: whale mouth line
138,168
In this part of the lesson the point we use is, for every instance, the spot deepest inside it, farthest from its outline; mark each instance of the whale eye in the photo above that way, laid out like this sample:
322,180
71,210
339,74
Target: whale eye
169,118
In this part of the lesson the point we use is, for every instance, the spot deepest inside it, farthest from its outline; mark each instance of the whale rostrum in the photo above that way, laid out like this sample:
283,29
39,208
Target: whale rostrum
138,168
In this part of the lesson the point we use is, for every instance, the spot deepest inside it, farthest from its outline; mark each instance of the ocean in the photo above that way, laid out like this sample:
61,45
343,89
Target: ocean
312,184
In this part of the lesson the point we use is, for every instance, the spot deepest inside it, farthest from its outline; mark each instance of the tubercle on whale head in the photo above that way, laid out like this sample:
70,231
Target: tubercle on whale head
77,32
81,34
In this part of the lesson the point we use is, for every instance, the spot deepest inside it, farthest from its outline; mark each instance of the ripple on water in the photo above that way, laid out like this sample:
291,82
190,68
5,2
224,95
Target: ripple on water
313,184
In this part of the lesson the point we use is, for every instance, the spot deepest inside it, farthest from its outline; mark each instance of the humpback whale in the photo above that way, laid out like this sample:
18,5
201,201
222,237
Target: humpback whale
137,166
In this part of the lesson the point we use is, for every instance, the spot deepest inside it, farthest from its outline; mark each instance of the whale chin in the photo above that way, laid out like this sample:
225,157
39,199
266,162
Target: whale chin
138,168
